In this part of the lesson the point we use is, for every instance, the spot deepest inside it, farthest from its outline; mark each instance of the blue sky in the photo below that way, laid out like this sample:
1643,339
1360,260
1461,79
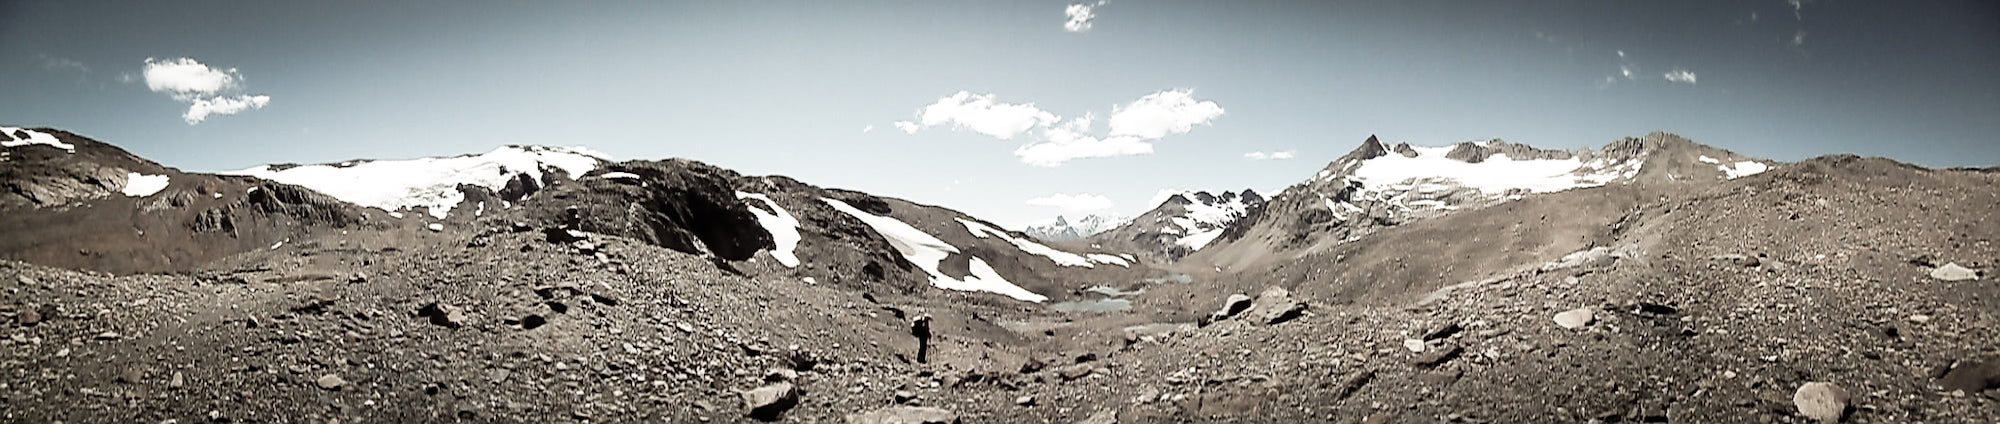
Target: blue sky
786,87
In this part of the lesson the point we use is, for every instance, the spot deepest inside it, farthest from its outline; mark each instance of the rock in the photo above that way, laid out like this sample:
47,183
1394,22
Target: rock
1286,312
1654,309
28,318
442,314
904,415
1073,372
1973,377
1275,305
1414,345
780,375
177,380
1437,356
1824,402
1442,331
769,402
1576,318
1025,400
1924,260
1380,417
331,382
1108,416
435,227
1353,383
1235,304
1739,260
1953,272
905,396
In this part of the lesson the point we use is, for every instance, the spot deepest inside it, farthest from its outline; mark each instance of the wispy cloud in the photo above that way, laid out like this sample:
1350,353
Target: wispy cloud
1682,76
1079,17
62,64
207,91
1282,155
1798,8
1131,128
1799,38
1081,202
868,128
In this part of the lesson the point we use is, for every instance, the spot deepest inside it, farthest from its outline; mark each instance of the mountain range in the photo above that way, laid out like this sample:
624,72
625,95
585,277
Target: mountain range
1652,279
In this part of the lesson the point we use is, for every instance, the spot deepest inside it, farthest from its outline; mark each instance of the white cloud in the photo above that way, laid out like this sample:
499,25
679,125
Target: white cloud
187,79
980,113
1268,156
1681,76
1133,126
1163,113
1079,16
1080,202
207,91
201,108
868,128
1798,8
1799,38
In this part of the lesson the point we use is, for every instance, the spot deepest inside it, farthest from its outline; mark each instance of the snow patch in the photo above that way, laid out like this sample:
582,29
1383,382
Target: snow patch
1197,240
1030,246
1109,259
784,228
927,252
1708,160
1497,174
33,137
1743,169
142,185
430,183
619,175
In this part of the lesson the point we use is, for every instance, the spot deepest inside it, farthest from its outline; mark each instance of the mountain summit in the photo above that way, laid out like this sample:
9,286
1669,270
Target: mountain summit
1062,229
1181,223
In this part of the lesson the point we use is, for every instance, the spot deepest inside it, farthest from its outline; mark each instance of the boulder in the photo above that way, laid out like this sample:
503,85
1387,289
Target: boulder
1973,376
1954,272
1576,318
769,402
1235,304
904,415
1823,402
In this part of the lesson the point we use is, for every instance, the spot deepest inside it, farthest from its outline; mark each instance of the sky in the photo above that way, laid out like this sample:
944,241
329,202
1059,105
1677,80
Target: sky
1012,111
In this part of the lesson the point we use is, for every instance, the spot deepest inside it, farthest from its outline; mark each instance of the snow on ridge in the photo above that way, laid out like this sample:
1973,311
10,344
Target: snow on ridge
623,175
1743,169
1029,246
1198,240
927,252
142,185
393,185
784,228
34,137
1495,175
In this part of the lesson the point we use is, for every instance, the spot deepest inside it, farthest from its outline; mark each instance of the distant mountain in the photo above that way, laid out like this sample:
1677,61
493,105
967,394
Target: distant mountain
1184,222
1379,185
1062,229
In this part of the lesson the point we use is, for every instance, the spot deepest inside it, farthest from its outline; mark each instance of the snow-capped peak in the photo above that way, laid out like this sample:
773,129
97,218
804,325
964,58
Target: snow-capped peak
1064,229
431,183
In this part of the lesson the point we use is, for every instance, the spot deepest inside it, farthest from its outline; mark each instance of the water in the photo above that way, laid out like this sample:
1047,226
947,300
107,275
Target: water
1093,305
